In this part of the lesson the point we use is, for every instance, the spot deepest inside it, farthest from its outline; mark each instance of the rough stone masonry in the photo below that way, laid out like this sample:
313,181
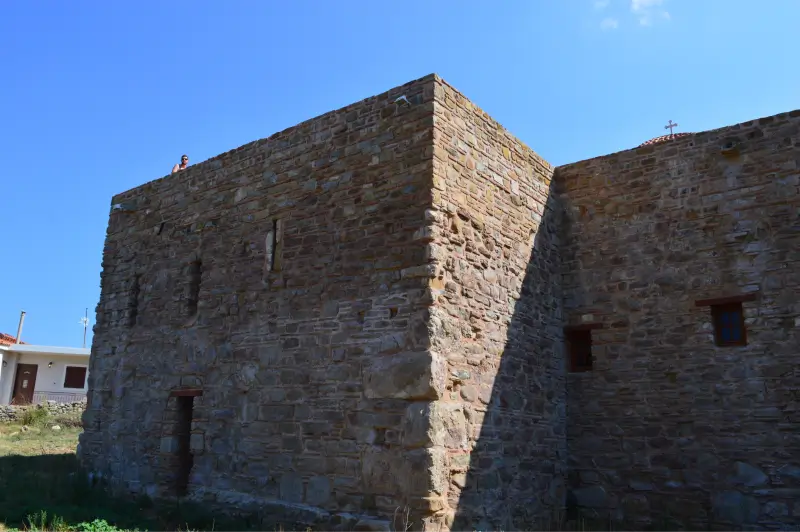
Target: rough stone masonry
378,313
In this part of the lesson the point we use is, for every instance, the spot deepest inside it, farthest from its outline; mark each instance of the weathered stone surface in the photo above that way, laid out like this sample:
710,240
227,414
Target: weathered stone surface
497,319
647,233
417,375
271,278
318,492
367,311
635,505
748,475
641,486
591,497
435,424
197,443
169,444
789,471
414,473
776,509
292,488
735,508
373,525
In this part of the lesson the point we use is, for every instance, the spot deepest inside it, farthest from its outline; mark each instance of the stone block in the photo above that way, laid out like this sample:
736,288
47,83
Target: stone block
735,508
169,444
449,426
373,525
330,309
748,475
197,443
591,497
428,472
635,504
776,509
469,393
292,487
415,473
417,431
407,375
383,470
639,485
790,471
318,491
191,381
276,413
289,512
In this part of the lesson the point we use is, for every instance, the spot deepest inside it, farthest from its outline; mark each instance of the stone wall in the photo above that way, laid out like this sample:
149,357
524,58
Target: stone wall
364,315
9,413
497,323
668,426
287,282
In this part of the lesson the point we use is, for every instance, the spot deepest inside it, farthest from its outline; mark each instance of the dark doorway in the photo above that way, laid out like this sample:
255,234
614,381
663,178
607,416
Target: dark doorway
183,433
24,384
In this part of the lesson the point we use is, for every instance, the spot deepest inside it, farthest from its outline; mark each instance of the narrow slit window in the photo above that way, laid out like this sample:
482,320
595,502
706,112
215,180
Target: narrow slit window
183,432
579,349
728,321
134,302
274,246
195,276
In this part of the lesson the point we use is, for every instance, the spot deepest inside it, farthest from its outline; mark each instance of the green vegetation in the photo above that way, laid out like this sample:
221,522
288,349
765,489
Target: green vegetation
34,417
42,490
41,522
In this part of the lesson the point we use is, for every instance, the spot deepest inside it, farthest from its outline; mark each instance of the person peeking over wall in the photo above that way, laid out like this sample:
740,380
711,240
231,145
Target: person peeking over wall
181,165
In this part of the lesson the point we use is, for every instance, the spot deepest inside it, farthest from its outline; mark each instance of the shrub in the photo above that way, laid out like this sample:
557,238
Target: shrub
98,525
34,416
39,522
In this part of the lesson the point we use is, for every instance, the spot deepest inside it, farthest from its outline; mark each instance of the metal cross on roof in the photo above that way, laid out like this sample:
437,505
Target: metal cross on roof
670,126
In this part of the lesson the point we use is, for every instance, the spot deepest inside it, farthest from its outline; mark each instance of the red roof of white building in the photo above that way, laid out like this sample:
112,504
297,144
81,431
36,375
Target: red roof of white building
7,339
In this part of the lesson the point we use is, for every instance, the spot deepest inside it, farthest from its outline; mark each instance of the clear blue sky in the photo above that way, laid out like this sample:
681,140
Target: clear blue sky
98,97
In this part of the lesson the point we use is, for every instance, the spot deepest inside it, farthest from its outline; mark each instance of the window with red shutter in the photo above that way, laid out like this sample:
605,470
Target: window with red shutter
75,377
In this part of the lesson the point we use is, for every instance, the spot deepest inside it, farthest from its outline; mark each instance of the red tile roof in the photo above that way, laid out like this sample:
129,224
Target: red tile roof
7,339
665,138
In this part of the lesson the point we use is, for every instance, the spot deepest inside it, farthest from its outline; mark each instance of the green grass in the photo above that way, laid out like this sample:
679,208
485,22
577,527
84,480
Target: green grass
47,492
42,489
39,487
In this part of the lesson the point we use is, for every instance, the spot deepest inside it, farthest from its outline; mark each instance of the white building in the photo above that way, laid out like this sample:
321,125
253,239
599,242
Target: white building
37,373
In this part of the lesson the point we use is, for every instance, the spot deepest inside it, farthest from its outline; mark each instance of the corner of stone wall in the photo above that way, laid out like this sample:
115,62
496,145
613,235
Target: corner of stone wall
492,196
418,467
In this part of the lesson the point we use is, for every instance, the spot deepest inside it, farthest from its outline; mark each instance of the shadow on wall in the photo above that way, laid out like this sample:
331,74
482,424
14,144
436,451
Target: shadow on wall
50,492
517,469
673,428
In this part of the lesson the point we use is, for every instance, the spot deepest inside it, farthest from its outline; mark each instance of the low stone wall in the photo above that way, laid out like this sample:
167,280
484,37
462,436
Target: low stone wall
9,413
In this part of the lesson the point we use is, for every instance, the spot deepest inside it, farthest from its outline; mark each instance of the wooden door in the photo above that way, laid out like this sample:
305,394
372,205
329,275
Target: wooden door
24,384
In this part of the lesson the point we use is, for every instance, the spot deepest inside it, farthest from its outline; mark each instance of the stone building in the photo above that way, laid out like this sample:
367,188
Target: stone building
398,308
